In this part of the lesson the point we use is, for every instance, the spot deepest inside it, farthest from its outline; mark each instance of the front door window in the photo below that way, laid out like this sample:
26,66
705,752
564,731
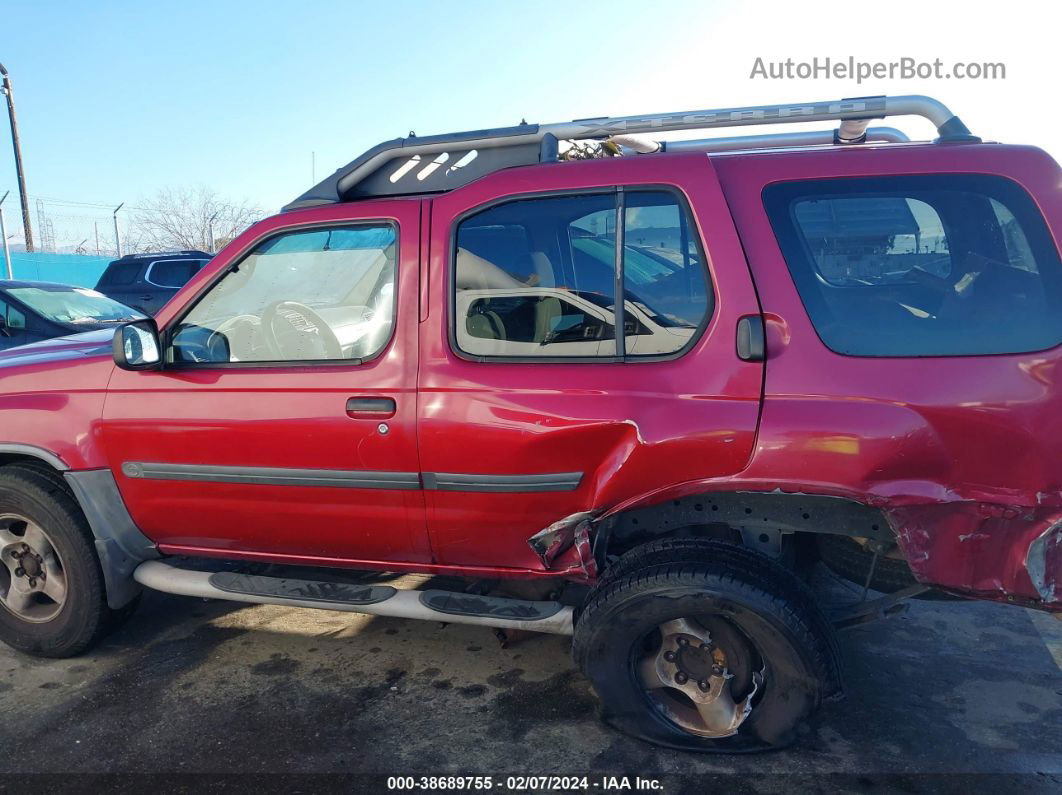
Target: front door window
301,297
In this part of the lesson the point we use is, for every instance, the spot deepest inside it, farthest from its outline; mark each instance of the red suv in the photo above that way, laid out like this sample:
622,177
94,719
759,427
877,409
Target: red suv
834,345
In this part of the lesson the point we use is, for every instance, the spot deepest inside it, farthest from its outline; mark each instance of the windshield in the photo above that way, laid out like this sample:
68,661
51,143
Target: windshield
73,305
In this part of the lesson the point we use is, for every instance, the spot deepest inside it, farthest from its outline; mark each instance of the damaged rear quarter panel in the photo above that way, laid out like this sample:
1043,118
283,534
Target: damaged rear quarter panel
962,453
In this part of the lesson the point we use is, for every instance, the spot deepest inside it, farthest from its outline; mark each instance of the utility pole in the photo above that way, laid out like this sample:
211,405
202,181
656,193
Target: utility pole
3,234
117,234
96,229
5,88
210,227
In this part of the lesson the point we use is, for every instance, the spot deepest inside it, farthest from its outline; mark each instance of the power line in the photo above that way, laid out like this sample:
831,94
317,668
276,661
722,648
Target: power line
108,206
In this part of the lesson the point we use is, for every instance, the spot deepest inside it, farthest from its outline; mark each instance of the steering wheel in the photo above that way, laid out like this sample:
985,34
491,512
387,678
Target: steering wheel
299,334
235,338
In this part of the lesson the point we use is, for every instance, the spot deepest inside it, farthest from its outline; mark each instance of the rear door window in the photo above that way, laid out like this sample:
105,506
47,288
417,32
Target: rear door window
537,278
921,265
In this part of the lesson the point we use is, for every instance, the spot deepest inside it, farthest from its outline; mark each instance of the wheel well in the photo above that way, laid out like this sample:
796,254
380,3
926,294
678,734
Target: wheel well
14,452
120,546
28,460
761,520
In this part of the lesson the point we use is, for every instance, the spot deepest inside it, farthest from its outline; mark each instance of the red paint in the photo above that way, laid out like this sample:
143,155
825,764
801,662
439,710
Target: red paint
963,454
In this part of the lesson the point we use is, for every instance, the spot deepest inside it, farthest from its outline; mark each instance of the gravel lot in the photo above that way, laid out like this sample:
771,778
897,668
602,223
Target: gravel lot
195,687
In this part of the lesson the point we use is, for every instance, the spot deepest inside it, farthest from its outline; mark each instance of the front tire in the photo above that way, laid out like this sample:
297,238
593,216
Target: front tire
706,646
52,598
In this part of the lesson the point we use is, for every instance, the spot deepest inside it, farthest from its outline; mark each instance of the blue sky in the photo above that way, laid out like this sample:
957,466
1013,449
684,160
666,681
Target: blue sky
119,99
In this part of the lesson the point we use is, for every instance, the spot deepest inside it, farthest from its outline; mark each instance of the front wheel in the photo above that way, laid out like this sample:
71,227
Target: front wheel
704,649
52,601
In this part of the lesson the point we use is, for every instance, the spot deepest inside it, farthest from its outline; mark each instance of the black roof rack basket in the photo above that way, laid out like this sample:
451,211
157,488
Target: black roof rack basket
438,163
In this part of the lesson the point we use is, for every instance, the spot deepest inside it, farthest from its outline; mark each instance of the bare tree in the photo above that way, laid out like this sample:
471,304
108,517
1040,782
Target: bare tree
180,218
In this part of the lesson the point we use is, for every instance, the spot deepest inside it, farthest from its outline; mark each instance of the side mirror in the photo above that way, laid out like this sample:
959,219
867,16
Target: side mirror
136,345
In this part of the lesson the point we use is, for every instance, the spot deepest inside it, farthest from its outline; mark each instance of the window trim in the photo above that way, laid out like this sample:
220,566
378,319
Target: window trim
769,203
154,262
167,334
681,199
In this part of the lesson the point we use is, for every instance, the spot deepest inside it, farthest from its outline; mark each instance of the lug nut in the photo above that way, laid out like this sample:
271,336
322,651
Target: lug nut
703,685
669,656
683,642
19,571
33,582
16,554
681,678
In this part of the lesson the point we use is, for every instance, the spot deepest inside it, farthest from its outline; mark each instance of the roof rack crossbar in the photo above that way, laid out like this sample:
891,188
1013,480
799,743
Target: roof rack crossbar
444,162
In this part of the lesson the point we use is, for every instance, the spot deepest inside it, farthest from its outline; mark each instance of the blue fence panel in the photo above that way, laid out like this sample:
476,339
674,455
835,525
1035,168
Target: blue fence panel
39,266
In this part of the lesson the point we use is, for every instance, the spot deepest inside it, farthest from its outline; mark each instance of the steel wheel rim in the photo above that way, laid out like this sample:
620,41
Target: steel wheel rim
33,581
682,668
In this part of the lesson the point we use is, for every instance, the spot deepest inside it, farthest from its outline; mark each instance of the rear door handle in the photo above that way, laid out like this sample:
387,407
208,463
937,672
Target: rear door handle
371,407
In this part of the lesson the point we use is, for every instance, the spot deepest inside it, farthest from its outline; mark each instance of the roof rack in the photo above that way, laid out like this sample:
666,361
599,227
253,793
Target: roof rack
438,163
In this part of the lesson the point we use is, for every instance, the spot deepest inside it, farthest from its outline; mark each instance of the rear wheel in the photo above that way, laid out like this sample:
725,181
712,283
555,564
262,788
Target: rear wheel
52,600
705,646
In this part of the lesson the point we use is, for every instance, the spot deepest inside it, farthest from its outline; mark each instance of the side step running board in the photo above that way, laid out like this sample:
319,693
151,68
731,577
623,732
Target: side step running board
379,600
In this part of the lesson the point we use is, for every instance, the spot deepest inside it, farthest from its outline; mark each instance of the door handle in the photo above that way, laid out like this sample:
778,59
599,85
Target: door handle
751,339
371,407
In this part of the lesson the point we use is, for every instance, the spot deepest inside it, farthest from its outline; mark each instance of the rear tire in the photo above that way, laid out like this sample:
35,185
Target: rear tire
751,654
38,624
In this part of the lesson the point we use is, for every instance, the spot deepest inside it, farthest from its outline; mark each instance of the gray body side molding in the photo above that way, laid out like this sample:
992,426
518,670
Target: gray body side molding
119,543
272,476
352,478
35,452
459,481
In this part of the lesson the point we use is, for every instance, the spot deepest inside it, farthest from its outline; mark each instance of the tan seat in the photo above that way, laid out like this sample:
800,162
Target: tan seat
548,311
486,325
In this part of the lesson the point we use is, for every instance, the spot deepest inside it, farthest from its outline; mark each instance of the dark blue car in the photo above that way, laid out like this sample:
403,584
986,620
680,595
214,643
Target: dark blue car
35,311
147,281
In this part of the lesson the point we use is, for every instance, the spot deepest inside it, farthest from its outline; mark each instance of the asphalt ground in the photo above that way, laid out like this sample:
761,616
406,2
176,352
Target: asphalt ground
190,694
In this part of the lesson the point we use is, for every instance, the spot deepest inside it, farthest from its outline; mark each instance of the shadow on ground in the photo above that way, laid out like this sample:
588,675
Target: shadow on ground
194,686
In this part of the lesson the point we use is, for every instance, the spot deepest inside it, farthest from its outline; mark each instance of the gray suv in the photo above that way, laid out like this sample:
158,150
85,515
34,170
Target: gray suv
147,281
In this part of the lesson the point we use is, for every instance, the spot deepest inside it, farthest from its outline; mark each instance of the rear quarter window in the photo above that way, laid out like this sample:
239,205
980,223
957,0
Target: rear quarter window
937,265
173,273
